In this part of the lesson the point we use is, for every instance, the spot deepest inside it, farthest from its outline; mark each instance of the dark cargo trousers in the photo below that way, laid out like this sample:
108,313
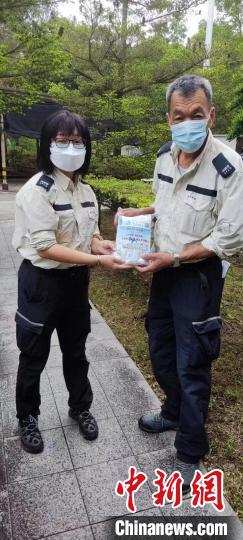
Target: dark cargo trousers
48,300
184,325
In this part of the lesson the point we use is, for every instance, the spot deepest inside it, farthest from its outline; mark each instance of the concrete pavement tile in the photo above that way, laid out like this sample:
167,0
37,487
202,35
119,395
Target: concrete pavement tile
46,506
6,260
1,422
96,317
142,442
186,509
7,314
10,272
8,383
109,445
22,465
9,282
106,529
49,417
97,350
99,495
57,381
54,338
3,478
56,378
8,339
55,357
78,534
5,526
9,361
7,299
160,459
125,388
100,332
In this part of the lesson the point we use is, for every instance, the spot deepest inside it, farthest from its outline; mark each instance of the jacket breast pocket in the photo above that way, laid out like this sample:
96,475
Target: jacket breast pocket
88,221
198,216
66,226
205,341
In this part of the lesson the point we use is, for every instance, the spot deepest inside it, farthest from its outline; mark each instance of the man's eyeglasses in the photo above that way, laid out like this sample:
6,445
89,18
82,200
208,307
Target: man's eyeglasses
64,143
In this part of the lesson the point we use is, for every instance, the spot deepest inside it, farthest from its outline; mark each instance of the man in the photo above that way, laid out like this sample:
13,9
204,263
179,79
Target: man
198,182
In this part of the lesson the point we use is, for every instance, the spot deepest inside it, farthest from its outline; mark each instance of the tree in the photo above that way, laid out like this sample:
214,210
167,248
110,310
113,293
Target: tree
231,12
118,74
30,60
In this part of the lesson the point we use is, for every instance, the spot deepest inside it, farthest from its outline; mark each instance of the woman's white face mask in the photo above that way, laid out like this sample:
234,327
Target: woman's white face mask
68,159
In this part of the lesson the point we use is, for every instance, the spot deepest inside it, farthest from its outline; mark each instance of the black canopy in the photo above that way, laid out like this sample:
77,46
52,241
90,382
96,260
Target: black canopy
29,123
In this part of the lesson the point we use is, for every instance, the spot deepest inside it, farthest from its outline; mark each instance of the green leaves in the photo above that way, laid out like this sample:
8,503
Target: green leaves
114,193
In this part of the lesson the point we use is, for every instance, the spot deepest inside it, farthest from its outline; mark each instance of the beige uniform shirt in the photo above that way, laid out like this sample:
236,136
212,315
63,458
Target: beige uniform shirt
203,204
53,210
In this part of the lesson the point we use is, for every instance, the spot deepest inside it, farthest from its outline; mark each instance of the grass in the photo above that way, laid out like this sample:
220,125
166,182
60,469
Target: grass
122,300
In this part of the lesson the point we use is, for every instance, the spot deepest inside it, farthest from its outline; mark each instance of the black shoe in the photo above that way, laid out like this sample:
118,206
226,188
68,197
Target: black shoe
156,423
30,435
187,471
87,423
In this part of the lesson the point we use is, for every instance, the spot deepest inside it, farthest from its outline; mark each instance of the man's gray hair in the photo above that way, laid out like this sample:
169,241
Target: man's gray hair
188,85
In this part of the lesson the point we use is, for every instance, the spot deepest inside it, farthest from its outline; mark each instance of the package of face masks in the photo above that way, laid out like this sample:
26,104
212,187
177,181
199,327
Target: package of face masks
133,239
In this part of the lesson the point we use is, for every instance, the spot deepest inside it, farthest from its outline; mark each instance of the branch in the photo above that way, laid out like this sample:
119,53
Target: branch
76,70
165,78
28,4
192,4
13,50
92,61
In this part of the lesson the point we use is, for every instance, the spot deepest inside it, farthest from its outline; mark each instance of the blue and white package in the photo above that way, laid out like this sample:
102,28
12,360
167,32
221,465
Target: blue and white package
133,239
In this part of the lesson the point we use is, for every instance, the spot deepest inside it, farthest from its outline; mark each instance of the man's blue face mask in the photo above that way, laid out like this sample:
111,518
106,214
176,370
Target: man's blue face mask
190,135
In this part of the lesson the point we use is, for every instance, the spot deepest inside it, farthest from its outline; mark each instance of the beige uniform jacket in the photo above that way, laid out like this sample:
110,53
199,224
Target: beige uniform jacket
205,204
53,210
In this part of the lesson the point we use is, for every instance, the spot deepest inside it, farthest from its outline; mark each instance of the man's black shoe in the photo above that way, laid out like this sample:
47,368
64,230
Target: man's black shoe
30,435
187,471
156,423
87,423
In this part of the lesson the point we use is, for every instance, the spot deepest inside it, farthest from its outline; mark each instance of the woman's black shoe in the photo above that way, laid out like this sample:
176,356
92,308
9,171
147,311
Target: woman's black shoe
87,423
30,435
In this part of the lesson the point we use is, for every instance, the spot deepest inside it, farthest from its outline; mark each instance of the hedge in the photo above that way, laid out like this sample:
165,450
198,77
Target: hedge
123,167
124,193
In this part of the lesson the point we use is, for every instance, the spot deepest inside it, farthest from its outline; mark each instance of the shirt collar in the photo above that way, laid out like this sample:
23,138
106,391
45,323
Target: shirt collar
63,180
207,148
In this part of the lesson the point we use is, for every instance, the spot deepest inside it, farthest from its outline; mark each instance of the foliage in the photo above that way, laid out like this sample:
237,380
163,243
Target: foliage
30,60
236,107
106,162
124,193
225,72
113,69
21,153
231,12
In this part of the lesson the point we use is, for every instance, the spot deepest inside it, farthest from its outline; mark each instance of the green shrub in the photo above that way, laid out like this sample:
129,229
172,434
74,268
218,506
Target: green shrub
21,153
123,167
113,192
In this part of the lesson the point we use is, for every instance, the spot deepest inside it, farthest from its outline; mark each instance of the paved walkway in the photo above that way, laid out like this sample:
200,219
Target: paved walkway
67,492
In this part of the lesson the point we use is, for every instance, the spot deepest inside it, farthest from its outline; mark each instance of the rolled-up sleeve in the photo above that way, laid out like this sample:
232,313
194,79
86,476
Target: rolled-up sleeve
226,238
41,219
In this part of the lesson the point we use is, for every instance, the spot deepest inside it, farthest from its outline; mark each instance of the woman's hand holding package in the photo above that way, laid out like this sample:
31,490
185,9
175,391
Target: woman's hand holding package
112,263
102,247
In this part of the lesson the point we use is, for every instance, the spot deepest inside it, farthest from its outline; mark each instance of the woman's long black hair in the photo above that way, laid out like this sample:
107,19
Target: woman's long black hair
65,121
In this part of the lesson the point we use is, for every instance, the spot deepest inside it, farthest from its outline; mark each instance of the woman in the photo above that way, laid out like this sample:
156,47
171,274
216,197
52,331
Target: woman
57,234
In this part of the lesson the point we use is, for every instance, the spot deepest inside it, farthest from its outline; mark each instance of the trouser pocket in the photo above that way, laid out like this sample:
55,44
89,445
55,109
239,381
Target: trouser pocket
206,340
29,335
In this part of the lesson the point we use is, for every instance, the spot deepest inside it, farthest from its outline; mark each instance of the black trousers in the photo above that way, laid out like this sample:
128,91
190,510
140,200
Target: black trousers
48,300
183,324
